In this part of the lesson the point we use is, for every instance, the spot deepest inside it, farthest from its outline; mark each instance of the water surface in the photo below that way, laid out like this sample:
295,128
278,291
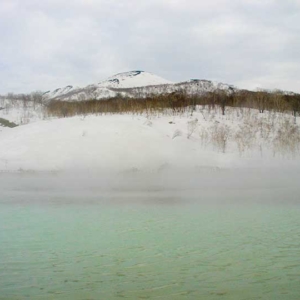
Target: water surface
158,249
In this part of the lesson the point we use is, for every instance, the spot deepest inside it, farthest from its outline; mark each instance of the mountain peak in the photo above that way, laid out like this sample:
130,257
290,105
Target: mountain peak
136,78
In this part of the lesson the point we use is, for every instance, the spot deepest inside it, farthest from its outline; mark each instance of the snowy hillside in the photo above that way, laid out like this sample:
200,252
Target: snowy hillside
59,91
134,84
128,143
20,112
132,79
190,87
106,88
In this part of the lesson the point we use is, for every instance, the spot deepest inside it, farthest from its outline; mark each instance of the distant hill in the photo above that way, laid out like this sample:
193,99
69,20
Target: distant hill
133,84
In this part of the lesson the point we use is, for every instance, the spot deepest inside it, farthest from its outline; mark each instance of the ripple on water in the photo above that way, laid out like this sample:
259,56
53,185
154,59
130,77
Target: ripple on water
101,252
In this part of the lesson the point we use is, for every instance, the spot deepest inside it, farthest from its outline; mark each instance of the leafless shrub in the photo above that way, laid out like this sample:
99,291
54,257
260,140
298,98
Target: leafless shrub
148,123
176,133
192,125
204,136
220,134
245,137
265,129
287,139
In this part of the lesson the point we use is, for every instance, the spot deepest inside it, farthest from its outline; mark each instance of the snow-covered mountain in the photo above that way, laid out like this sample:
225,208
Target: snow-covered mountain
132,79
133,84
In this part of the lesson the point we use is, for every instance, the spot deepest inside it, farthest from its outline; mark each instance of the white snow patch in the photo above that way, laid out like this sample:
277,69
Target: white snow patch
133,79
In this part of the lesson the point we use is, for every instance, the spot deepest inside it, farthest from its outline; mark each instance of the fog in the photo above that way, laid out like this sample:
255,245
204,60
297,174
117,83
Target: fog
172,186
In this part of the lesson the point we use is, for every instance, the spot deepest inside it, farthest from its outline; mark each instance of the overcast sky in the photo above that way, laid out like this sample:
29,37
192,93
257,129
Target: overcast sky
52,43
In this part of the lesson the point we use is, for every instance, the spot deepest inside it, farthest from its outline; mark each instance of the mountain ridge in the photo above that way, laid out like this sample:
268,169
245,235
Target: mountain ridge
136,83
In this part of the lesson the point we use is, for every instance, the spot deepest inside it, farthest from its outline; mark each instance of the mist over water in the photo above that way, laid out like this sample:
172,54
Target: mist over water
210,234
173,181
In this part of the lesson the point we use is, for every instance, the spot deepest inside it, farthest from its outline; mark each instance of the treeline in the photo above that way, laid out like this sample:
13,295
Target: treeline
179,102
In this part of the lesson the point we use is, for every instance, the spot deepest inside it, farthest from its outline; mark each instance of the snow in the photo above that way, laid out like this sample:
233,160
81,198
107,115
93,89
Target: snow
135,84
163,155
133,79
192,150
15,111
141,143
107,88
119,143
60,91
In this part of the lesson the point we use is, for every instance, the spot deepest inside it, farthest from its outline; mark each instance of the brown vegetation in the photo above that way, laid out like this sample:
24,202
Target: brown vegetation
179,102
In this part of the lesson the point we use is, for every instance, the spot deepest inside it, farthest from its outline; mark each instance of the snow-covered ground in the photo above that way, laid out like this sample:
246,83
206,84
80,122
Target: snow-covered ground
142,143
178,151
21,113
196,151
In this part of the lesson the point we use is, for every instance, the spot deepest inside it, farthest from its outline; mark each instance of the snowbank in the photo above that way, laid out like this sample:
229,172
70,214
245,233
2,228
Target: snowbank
128,143
150,153
118,143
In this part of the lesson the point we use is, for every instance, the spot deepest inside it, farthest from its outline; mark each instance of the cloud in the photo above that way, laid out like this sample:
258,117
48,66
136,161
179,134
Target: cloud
51,43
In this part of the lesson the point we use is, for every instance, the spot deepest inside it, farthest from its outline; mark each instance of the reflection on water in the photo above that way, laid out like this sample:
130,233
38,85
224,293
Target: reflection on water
194,251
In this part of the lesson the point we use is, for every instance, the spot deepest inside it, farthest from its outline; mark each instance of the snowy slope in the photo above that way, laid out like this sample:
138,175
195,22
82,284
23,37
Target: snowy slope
190,87
21,113
105,88
60,91
133,79
124,143
109,143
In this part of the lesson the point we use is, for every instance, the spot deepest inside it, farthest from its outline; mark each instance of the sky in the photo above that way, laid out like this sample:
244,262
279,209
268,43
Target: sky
52,43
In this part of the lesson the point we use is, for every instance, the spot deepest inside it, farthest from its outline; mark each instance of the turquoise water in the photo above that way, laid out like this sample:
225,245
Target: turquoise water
161,250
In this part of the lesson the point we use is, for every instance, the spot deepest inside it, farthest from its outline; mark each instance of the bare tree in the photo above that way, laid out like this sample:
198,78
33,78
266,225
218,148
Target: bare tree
262,100
36,97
